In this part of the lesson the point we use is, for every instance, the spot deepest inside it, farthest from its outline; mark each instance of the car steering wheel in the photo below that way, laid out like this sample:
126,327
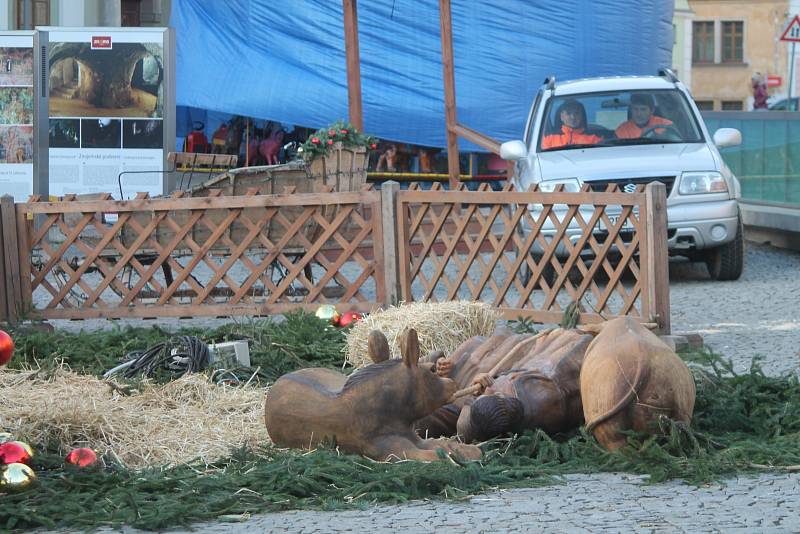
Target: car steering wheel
675,134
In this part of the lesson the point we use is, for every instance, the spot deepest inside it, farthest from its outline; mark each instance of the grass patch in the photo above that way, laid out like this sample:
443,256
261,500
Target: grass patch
740,420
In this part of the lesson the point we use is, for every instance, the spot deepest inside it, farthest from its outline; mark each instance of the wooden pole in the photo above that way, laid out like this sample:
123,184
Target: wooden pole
389,191
353,63
246,142
658,257
448,68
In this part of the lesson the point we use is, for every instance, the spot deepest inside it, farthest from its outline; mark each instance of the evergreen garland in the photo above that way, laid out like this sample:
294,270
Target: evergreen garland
321,141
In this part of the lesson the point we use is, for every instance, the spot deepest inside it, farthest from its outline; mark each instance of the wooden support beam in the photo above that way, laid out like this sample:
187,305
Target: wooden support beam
448,67
475,137
353,63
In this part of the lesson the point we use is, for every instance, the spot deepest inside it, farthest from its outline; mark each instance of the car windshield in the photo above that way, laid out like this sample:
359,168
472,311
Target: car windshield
618,118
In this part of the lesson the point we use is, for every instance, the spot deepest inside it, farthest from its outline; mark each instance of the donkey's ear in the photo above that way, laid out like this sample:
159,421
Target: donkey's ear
409,347
378,347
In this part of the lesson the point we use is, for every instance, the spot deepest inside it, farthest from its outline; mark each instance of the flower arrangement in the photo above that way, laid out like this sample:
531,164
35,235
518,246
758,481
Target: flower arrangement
342,132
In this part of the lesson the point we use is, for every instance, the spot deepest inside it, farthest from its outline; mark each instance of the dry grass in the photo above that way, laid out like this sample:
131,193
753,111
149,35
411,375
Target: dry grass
182,421
442,326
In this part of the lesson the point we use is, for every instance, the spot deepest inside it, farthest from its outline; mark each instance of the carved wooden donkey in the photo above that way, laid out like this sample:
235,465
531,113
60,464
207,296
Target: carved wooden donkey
371,412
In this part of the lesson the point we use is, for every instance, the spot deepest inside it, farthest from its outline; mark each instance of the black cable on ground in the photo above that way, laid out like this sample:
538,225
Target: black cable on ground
175,357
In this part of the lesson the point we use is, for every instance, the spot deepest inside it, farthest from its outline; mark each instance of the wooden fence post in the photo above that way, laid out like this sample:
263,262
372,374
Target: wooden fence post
389,219
4,313
11,280
658,257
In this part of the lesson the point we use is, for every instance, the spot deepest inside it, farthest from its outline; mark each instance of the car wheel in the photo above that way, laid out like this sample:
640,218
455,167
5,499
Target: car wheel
727,261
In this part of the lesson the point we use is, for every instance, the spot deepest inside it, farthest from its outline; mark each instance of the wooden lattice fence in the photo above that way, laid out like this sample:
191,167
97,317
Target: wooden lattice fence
529,254
216,255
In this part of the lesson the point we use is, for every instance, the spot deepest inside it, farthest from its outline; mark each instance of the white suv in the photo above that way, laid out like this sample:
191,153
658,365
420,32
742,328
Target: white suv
620,140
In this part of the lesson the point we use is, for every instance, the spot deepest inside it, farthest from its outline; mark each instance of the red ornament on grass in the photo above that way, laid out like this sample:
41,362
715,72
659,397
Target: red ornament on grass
6,348
315,140
343,131
330,141
331,132
373,146
349,318
13,452
82,457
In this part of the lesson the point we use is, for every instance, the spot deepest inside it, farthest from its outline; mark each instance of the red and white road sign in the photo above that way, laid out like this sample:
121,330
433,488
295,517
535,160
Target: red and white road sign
792,31
774,81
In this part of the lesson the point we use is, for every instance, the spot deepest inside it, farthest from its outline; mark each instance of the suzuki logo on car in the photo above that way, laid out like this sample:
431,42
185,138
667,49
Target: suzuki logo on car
629,188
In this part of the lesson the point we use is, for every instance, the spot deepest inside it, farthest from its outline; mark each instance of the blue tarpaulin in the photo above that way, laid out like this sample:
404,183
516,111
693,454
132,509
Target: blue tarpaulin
284,60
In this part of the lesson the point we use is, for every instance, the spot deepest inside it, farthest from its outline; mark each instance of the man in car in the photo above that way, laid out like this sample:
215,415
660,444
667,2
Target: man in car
573,123
641,118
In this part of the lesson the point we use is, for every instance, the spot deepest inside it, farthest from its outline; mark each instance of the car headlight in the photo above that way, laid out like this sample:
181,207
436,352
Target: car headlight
571,185
693,183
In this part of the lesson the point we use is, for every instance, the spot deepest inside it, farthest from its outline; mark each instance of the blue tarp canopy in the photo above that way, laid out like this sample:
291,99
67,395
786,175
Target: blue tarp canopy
284,60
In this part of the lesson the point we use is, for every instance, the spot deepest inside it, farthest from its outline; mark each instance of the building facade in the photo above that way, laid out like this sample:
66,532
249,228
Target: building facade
731,41
28,14
682,45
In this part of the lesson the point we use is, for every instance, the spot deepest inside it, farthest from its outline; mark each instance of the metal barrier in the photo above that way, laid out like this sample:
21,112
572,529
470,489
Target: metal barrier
767,162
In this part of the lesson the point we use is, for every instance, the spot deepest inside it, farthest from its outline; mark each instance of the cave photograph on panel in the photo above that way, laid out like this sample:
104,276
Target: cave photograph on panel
124,81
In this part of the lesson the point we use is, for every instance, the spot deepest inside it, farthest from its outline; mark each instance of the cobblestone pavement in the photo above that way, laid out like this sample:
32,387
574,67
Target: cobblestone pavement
758,314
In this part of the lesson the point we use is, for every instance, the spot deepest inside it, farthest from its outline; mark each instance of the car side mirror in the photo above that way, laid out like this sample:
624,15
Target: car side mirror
513,150
727,137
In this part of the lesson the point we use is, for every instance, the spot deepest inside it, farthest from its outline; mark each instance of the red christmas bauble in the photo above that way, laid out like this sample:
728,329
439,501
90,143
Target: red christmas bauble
82,457
349,318
6,348
12,452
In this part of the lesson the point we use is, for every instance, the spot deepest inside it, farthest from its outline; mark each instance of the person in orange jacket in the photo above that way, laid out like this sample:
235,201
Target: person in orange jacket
641,117
573,123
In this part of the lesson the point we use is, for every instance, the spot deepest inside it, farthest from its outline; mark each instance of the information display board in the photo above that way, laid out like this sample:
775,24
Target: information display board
16,114
111,110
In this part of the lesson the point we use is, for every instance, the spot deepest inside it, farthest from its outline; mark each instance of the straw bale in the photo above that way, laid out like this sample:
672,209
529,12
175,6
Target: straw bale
186,420
440,325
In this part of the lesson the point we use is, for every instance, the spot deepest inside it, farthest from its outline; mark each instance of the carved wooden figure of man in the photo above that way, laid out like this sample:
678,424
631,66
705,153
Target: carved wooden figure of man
537,386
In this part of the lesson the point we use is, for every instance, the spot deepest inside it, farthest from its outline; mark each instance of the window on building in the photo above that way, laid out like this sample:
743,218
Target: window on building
131,12
703,41
39,14
732,42
705,105
732,105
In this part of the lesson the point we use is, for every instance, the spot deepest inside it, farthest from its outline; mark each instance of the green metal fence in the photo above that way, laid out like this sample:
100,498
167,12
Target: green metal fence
767,162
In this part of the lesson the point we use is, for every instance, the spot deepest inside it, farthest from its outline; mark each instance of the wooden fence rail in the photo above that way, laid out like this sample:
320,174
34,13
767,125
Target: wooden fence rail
529,254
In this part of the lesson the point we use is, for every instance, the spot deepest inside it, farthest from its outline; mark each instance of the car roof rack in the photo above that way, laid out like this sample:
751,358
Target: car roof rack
668,74
550,82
